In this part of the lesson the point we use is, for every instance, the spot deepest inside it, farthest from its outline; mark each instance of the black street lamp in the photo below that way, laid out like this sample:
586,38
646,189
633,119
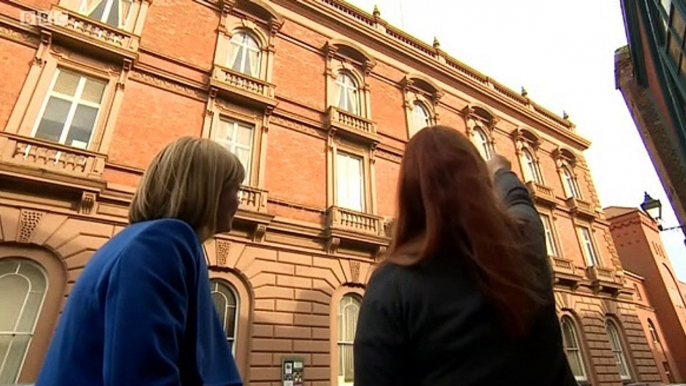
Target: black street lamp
653,208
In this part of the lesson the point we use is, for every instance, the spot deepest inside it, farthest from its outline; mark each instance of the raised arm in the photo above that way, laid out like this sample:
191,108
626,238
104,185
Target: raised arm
146,308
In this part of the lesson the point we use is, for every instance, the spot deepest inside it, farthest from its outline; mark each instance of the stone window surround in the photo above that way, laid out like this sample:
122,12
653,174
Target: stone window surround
52,305
265,37
565,159
592,232
337,296
487,124
619,327
243,311
137,13
550,213
216,110
49,58
368,160
583,345
359,71
429,99
528,140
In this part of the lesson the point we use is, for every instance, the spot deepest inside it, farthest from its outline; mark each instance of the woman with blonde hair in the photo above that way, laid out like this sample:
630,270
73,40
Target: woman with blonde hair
465,297
141,313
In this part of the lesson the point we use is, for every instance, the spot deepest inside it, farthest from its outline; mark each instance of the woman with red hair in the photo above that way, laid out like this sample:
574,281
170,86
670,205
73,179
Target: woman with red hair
465,296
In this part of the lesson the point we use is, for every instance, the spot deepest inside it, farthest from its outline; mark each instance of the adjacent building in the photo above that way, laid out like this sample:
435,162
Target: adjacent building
640,249
650,73
317,98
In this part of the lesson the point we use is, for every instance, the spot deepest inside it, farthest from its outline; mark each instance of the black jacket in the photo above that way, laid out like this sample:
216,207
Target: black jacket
428,325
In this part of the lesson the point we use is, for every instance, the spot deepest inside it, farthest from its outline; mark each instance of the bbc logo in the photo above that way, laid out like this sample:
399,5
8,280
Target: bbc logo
38,18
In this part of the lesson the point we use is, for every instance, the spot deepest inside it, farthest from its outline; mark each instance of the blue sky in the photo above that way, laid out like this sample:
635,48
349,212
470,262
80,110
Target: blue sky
562,52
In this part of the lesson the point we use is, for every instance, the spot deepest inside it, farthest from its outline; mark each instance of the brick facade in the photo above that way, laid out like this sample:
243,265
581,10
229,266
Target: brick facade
640,248
295,254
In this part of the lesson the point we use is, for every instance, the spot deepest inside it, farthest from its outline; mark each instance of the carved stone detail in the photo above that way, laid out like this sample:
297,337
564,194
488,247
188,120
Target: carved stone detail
87,202
28,223
291,124
260,233
167,84
222,248
355,271
19,36
387,155
332,245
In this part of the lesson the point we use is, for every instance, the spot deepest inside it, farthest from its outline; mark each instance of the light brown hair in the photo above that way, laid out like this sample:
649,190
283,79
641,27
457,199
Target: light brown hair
185,181
448,210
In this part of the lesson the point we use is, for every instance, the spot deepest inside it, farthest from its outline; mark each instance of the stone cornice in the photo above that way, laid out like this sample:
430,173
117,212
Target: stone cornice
13,30
158,78
420,51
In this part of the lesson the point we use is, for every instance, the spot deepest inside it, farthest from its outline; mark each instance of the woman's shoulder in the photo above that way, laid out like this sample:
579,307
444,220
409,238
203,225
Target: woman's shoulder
169,229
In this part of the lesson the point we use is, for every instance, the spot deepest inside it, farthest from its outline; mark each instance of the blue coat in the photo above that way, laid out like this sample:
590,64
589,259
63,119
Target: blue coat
141,313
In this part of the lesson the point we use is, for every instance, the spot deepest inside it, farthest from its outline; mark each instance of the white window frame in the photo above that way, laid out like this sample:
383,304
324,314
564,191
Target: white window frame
348,87
233,145
14,332
569,182
551,244
107,10
482,142
421,117
74,101
618,350
341,344
340,178
588,246
567,321
530,168
216,283
235,47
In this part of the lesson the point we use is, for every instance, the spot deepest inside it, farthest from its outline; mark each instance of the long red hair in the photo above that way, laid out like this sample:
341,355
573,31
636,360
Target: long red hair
448,209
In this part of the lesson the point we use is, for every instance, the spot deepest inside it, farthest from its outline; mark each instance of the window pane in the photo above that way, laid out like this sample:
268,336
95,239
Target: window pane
97,12
219,301
14,289
113,15
244,136
125,10
231,322
23,287
30,312
244,156
225,131
93,90
52,123
66,83
15,357
5,341
82,126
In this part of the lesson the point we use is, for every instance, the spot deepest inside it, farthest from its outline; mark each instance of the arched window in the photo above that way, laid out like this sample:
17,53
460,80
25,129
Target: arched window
653,331
348,311
23,286
112,12
347,93
226,302
572,348
420,117
569,183
482,143
618,350
530,169
244,54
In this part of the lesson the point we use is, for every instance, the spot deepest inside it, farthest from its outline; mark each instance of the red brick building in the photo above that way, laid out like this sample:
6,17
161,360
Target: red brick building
640,249
318,99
